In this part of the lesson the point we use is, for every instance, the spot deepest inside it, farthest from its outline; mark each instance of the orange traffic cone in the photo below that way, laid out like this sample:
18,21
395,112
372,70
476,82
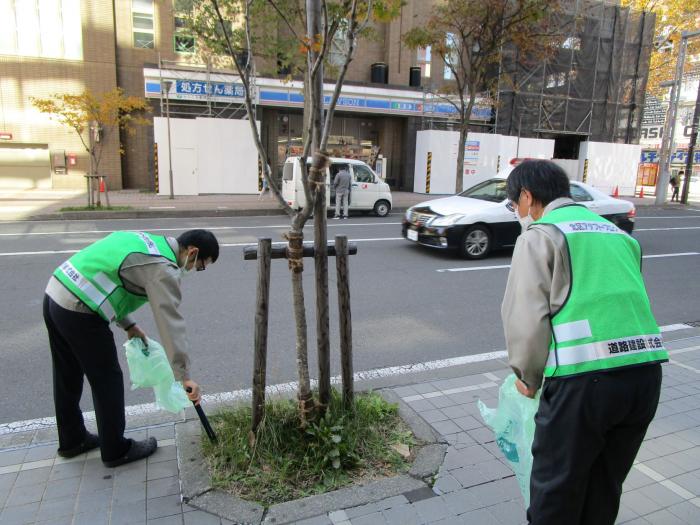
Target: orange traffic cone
102,185
616,193
641,192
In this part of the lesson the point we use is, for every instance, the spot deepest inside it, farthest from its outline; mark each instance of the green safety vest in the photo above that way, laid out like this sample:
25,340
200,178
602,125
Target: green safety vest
606,321
92,274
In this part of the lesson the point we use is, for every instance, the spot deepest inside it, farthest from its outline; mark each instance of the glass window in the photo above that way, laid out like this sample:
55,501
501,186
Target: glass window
493,190
183,43
451,57
423,60
288,171
142,23
41,28
362,173
578,194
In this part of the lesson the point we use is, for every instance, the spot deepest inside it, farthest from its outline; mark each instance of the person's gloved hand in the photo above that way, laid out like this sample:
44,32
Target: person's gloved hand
524,389
193,391
135,331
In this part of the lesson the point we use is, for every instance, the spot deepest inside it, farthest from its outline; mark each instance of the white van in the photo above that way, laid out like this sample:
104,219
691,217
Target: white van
368,192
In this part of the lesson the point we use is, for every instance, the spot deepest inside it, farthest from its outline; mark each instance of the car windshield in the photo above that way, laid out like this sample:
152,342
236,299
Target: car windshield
493,190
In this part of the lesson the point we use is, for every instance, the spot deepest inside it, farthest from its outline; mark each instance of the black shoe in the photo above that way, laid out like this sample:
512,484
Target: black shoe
90,442
137,450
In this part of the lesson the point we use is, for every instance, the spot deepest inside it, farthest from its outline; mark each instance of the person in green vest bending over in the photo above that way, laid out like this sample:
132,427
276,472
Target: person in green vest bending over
106,282
576,314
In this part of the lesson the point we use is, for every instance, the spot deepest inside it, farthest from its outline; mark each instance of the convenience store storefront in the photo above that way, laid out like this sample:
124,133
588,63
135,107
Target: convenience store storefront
369,121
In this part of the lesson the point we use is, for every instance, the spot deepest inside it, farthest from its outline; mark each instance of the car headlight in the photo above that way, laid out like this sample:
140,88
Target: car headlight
407,215
447,220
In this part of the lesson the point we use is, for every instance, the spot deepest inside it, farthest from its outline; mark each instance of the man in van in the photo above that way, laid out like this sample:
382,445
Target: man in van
105,282
342,184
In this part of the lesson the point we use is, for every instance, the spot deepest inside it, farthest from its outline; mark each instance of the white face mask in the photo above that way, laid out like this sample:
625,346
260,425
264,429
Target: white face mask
184,271
526,221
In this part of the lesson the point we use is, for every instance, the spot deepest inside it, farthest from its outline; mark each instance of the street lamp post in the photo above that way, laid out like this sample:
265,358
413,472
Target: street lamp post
670,123
165,89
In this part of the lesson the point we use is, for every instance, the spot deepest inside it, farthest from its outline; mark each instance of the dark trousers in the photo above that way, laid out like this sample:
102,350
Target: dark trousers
83,345
674,195
588,431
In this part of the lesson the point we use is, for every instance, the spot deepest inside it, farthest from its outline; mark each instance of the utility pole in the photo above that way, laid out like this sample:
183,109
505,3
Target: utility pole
670,128
670,124
165,87
691,148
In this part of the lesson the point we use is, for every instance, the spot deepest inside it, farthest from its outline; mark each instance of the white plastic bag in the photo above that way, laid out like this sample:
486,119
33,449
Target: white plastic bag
513,423
149,367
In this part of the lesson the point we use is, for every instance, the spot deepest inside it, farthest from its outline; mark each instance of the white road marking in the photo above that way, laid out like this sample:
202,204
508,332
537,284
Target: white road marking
161,207
674,327
280,389
670,217
212,228
684,350
47,252
666,229
683,254
474,268
500,266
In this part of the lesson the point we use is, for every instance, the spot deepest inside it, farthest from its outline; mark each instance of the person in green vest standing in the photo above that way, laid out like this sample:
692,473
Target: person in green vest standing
104,283
576,315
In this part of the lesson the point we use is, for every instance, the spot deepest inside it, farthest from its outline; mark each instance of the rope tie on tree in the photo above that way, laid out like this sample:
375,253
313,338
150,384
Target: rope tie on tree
295,251
317,171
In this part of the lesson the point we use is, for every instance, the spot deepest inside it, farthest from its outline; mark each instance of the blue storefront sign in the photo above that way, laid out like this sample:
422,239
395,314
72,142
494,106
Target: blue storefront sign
679,157
218,89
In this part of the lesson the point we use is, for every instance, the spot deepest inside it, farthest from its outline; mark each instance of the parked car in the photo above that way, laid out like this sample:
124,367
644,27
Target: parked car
368,192
476,221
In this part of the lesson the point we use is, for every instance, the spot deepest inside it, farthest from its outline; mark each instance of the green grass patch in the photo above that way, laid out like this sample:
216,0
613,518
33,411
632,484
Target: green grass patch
96,208
288,462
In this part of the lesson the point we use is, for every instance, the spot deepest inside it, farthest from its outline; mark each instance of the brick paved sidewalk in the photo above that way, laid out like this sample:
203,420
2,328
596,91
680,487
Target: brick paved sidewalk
474,485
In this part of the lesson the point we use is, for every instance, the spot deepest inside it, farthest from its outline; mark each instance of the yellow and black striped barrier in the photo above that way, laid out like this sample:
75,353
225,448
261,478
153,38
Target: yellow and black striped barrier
585,170
155,165
427,174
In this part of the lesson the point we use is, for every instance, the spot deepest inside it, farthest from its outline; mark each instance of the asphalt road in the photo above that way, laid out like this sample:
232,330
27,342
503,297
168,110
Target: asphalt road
405,309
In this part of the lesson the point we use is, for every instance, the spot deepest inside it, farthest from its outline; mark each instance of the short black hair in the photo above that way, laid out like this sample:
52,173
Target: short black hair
543,178
202,239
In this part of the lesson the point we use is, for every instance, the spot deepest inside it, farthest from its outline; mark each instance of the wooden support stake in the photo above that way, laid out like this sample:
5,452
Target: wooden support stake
261,318
345,317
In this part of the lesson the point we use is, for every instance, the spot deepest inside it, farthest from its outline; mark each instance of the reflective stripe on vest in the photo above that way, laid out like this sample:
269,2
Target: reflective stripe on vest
573,355
87,287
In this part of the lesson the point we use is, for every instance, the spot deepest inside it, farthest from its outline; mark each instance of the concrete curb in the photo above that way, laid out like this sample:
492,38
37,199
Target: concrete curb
163,214
197,491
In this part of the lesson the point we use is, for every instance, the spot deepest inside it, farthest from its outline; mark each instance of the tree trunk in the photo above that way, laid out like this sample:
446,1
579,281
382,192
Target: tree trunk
260,338
317,179
463,135
295,253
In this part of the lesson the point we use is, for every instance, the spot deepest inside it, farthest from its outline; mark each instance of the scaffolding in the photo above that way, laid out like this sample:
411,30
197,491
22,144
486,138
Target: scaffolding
592,88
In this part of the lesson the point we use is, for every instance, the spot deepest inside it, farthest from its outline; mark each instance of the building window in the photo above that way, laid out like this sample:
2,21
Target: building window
142,23
41,28
183,43
451,58
183,40
423,60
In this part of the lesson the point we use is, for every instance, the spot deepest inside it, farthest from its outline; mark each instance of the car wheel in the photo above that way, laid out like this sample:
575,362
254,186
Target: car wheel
476,242
382,208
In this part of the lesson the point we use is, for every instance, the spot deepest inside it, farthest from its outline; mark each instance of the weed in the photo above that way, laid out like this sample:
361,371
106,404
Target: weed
286,461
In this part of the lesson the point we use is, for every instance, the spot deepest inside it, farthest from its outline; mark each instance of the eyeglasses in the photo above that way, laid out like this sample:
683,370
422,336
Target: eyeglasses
512,204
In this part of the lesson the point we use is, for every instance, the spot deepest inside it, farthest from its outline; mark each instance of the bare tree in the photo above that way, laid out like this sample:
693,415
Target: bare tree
469,36
229,26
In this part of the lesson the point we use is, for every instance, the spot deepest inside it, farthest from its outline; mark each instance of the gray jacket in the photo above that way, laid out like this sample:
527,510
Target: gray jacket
538,283
159,279
342,181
